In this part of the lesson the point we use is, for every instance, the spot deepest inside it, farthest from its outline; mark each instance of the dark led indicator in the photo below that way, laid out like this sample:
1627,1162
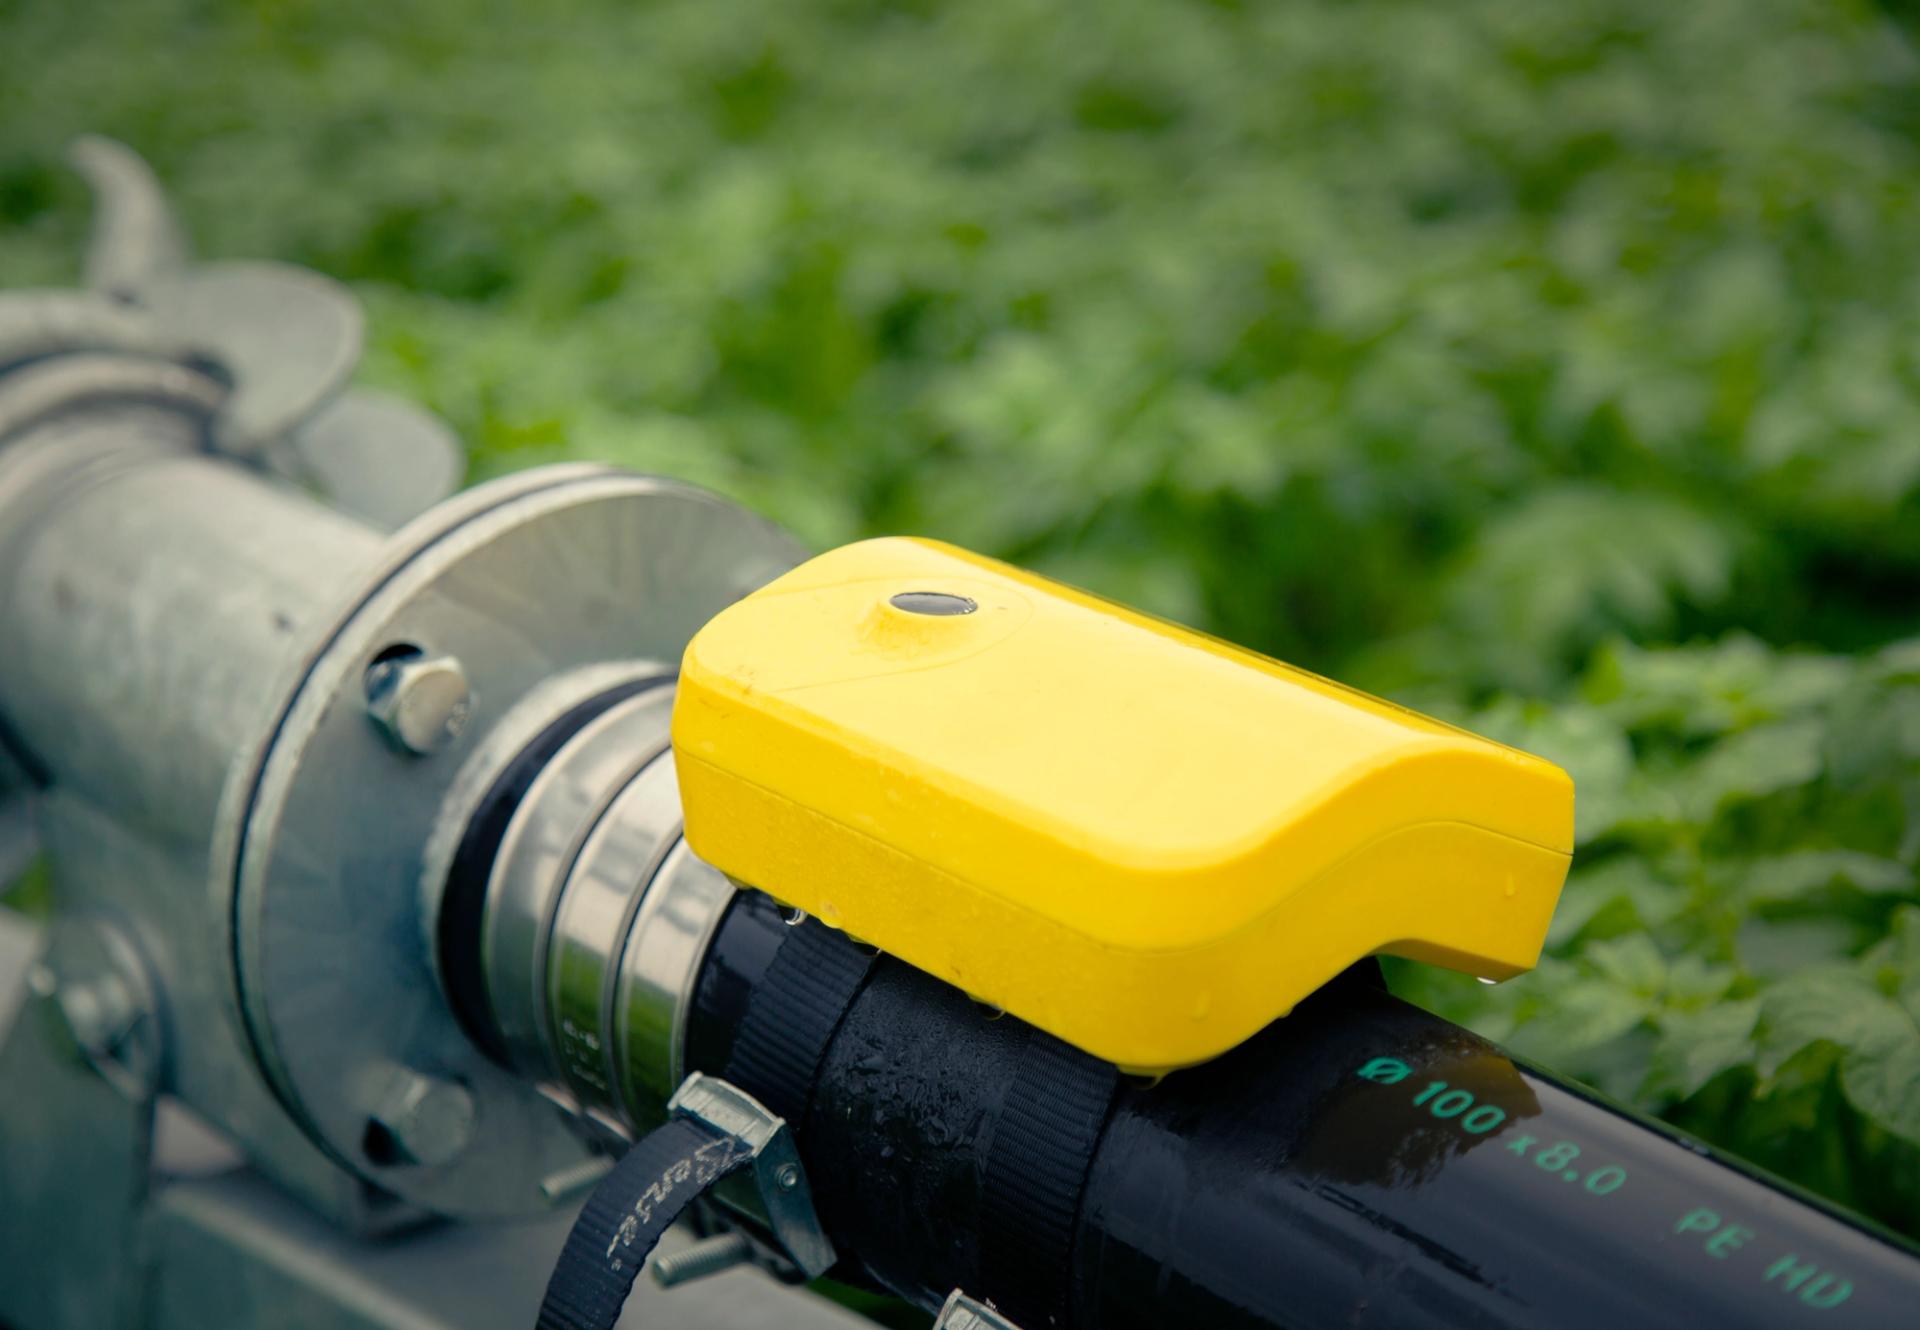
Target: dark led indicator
940,604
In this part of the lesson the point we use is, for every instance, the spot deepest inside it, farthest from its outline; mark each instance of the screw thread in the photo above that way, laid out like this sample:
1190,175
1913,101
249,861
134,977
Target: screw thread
709,1256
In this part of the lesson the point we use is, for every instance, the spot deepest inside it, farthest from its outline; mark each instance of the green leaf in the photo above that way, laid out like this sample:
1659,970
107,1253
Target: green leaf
1878,1037
1618,895
1633,962
1569,566
1784,877
1744,767
1837,1005
1710,690
1692,983
1776,948
1883,1081
1581,1015
1696,1046
1895,964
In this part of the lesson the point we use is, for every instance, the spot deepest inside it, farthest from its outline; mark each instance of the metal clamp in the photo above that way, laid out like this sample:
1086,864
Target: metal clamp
961,1312
774,1191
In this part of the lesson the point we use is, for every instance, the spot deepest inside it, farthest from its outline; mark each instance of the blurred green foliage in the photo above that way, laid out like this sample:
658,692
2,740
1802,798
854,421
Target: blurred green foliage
1552,366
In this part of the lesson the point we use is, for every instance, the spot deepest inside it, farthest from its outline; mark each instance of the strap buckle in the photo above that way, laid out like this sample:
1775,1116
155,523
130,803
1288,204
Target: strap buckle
964,1313
774,1191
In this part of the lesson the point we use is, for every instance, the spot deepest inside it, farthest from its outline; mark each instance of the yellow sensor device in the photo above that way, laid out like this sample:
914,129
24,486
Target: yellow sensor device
1143,840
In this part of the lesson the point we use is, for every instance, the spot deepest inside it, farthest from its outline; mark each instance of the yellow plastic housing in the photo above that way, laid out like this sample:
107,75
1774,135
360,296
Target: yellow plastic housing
1146,841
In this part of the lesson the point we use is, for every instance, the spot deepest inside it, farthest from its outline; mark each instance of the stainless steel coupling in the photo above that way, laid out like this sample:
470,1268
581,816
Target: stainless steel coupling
592,914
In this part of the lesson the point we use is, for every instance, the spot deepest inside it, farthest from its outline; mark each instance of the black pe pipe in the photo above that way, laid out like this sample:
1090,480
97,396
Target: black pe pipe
1361,1163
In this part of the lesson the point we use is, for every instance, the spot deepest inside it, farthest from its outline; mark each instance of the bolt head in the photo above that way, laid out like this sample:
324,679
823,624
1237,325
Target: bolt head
421,703
429,1121
97,1014
788,1176
92,980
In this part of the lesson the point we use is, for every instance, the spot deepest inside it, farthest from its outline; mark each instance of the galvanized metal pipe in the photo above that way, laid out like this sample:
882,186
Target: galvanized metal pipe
151,597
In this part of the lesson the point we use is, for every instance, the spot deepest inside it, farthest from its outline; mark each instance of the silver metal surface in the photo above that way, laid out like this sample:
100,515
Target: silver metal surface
72,1164
156,890
961,1312
49,323
136,240
101,1231
376,456
421,703
324,830
775,1189
37,393
150,598
537,853
135,233
249,873
664,948
288,338
99,983
576,1181
58,457
423,1119
604,889
703,1260
496,749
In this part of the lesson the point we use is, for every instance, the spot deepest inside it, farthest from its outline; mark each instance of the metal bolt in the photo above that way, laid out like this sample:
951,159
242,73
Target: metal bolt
709,1256
574,1179
963,1313
421,702
423,1120
96,986
788,1176
99,1013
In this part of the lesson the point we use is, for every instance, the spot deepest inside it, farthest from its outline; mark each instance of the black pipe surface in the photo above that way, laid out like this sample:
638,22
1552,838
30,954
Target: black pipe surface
1361,1163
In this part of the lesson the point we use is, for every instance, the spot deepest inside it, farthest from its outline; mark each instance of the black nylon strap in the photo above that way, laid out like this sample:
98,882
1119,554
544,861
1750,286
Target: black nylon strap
793,1015
627,1214
791,1019
1036,1169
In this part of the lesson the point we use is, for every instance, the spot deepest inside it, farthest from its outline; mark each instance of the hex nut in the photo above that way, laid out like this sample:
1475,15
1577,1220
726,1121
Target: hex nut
421,1120
99,1013
421,703
96,984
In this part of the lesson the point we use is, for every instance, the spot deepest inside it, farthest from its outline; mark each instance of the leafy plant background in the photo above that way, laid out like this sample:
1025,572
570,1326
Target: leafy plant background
1552,367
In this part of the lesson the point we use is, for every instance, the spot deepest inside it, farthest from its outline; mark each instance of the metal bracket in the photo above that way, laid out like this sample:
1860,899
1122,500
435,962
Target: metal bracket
963,1313
774,1191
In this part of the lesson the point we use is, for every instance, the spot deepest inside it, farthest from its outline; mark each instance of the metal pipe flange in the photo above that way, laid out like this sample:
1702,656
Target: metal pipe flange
321,846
